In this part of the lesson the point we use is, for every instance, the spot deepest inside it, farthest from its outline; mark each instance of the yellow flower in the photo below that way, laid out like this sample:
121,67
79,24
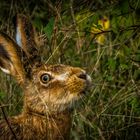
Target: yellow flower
98,30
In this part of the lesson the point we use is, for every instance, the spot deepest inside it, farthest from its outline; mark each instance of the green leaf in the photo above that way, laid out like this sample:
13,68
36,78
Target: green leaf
49,28
124,66
124,6
37,23
2,95
112,64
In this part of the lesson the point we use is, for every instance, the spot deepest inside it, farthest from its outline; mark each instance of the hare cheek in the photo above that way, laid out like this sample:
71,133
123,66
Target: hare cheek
62,77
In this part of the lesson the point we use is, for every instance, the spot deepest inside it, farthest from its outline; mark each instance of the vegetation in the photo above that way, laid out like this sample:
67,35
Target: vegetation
101,36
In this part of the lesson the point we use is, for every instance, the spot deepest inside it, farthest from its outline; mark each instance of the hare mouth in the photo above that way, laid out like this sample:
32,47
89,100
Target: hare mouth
86,88
83,92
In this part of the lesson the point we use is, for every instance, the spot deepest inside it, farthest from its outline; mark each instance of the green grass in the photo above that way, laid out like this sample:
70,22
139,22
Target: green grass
112,108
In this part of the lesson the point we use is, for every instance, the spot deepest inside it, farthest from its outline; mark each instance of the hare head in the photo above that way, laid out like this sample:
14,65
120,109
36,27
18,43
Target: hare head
47,88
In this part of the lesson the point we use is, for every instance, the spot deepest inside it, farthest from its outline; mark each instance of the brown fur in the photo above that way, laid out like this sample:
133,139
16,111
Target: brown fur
36,127
50,91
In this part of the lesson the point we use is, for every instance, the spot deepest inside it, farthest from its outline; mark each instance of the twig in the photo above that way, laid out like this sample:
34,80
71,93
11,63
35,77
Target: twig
5,118
5,105
75,25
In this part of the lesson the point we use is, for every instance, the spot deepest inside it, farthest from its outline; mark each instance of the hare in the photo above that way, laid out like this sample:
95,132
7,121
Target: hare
50,91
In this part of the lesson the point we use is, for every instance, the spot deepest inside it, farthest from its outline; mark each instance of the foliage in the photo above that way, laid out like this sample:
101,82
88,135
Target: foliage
112,108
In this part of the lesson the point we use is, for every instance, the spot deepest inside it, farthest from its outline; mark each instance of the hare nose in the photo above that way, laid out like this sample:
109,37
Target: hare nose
83,76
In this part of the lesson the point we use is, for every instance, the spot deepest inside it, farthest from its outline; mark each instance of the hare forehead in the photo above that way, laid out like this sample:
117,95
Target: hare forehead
63,69
58,68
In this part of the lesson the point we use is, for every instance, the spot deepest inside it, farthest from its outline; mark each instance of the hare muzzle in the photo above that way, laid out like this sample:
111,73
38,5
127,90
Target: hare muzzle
85,77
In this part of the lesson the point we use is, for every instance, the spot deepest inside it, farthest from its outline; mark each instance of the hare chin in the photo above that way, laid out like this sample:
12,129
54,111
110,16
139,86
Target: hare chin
62,107
63,104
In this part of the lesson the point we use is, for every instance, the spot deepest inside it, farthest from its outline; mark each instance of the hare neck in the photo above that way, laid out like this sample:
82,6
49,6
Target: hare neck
55,126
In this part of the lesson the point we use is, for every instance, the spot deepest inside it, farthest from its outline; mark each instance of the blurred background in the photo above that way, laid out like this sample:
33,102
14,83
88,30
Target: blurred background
101,36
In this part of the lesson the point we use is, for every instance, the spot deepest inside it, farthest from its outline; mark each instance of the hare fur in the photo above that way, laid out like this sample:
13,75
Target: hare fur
50,91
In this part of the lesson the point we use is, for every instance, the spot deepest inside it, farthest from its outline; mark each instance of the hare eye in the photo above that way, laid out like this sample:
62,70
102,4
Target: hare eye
45,78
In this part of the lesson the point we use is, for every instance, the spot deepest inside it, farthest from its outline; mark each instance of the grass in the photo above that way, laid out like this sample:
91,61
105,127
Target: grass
112,108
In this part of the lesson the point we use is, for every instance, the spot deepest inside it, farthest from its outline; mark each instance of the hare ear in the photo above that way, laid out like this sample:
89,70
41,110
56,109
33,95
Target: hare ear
10,57
25,38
